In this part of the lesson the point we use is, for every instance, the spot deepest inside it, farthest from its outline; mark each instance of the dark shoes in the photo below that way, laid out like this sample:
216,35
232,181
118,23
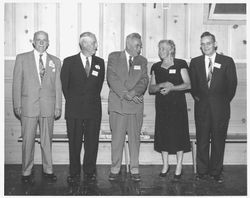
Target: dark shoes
28,179
164,174
136,177
113,176
50,176
201,177
217,178
90,177
73,179
177,177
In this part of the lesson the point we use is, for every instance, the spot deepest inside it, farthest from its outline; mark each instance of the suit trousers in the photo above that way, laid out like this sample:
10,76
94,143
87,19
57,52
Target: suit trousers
76,128
29,128
210,128
120,124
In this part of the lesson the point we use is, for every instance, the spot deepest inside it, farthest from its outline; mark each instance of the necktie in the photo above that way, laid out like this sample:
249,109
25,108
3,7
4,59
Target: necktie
210,72
130,61
41,67
87,66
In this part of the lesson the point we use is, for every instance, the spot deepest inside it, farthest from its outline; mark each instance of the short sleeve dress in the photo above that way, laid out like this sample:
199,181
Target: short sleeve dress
171,121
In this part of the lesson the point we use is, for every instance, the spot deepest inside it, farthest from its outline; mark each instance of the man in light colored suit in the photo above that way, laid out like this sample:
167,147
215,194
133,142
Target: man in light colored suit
37,99
128,80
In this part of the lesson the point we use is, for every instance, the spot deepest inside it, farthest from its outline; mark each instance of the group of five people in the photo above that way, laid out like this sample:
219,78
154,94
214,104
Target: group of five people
39,80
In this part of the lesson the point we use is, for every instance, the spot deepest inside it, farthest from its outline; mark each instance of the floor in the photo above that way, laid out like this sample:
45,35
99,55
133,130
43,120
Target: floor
235,177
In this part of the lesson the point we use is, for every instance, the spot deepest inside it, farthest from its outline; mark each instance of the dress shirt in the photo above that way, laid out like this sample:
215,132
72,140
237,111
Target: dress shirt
127,57
83,58
207,62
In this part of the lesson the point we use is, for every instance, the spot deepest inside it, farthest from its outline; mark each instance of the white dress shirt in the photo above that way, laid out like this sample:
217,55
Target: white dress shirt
83,58
127,57
207,62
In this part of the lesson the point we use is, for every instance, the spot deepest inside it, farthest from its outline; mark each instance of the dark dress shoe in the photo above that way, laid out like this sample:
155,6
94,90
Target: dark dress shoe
73,178
50,176
27,179
164,174
217,178
136,177
113,176
201,177
90,177
177,177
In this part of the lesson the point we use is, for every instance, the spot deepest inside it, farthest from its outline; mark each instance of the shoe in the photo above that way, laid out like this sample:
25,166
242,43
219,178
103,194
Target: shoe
164,174
201,177
136,177
113,176
91,177
177,177
27,179
217,178
50,176
73,178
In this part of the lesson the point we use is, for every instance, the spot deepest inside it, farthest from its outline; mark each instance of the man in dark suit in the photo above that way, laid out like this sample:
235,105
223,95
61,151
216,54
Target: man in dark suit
213,81
37,100
82,78
128,80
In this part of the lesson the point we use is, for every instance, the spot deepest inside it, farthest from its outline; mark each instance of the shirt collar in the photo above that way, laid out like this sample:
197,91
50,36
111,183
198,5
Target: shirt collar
128,55
212,57
38,53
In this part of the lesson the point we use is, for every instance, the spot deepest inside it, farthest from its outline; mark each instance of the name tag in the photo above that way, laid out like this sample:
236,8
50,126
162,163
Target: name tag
94,73
217,65
97,67
137,67
172,71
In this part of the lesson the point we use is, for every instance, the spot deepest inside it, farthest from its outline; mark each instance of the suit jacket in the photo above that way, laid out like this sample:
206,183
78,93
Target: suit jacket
222,88
33,98
82,93
120,81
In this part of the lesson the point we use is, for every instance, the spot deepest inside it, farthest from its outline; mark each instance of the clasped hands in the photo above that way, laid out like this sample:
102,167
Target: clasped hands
131,96
165,87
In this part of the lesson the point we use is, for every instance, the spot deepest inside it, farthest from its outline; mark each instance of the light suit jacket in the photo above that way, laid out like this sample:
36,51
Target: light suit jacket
120,81
33,98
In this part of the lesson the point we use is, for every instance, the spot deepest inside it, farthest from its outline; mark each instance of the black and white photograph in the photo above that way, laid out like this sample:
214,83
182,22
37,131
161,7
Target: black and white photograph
124,98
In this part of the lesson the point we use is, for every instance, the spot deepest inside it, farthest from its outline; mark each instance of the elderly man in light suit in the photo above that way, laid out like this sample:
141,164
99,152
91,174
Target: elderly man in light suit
128,80
37,99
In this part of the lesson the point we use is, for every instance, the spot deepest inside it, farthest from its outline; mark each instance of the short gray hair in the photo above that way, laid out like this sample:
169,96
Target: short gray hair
40,32
86,34
133,36
171,44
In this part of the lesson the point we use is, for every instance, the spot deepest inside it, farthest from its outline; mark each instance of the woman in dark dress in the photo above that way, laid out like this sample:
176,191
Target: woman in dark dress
169,80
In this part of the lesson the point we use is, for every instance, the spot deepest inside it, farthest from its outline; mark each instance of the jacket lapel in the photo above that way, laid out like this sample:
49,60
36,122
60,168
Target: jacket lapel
124,65
215,70
33,67
203,71
80,64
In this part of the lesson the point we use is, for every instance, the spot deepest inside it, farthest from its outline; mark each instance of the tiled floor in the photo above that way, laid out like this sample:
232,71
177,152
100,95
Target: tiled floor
151,184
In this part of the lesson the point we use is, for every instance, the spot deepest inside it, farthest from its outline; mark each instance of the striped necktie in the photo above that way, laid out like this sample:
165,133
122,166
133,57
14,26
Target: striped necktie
87,66
210,72
130,61
41,67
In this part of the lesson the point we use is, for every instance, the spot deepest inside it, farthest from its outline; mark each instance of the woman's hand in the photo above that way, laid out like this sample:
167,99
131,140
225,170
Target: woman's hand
168,86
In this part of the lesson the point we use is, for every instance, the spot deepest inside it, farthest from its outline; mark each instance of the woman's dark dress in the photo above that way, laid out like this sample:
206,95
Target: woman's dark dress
171,121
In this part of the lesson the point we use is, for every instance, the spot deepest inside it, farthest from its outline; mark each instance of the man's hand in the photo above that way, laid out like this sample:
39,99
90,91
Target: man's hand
18,112
57,113
137,99
129,95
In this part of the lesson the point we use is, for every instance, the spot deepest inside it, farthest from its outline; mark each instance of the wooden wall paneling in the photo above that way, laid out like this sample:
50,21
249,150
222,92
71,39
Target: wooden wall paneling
69,37
90,19
25,22
176,28
196,27
9,29
221,35
237,41
47,21
133,19
111,28
154,29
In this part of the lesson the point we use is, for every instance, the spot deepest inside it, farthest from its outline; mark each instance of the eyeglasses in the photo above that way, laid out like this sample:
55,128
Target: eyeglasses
207,44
